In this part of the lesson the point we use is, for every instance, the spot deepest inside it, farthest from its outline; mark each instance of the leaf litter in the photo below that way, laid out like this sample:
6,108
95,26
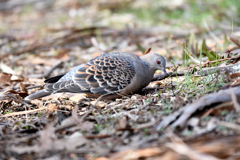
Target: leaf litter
191,113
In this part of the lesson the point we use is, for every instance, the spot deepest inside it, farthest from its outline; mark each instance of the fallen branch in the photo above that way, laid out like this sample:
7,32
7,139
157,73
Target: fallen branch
204,72
229,68
180,117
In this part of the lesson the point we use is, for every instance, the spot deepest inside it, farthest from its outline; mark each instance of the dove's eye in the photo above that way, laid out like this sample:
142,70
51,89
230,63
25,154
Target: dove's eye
158,62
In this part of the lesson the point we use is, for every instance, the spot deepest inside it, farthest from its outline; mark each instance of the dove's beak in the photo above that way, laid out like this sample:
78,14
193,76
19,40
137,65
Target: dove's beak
165,72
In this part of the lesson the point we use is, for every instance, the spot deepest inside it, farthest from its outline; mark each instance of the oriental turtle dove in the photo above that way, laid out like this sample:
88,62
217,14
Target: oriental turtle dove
111,75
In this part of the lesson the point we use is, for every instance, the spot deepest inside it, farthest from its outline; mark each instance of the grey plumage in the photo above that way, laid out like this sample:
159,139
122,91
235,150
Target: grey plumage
116,73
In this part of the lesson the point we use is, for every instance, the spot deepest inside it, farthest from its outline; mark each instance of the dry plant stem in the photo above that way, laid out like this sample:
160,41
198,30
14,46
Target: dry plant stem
95,104
172,88
22,112
32,87
182,115
236,59
205,24
96,45
87,113
209,62
97,109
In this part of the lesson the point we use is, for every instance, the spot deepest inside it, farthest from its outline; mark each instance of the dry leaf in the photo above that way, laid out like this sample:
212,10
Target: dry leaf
5,78
21,94
37,103
235,78
122,123
23,87
100,104
235,39
7,69
77,98
52,107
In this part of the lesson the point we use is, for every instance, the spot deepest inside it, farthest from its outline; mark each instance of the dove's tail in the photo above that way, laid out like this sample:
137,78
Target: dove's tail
39,94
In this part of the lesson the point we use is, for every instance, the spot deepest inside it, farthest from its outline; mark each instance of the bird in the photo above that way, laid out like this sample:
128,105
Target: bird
110,75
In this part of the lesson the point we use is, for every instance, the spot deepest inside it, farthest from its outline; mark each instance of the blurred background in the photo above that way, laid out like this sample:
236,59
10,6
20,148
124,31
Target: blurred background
35,35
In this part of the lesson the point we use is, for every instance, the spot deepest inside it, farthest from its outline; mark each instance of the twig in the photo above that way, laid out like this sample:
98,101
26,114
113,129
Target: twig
228,68
172,88
32,87
210,32
205,71
87,113
95,44
23,112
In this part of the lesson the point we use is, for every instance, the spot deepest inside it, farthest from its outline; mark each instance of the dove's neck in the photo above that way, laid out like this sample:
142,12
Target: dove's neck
148,61
145,63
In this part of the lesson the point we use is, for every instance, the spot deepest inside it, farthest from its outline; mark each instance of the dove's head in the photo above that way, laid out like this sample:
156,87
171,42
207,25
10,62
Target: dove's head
155,61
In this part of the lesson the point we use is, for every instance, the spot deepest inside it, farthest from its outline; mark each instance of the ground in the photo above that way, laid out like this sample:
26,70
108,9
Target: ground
191,113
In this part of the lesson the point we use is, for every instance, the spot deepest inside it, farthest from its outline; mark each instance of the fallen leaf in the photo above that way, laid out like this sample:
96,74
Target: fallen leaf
5,78
21,94
122,123
100,104
235,78
235,39
37,103
6,69
52,107
23,87
77,98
